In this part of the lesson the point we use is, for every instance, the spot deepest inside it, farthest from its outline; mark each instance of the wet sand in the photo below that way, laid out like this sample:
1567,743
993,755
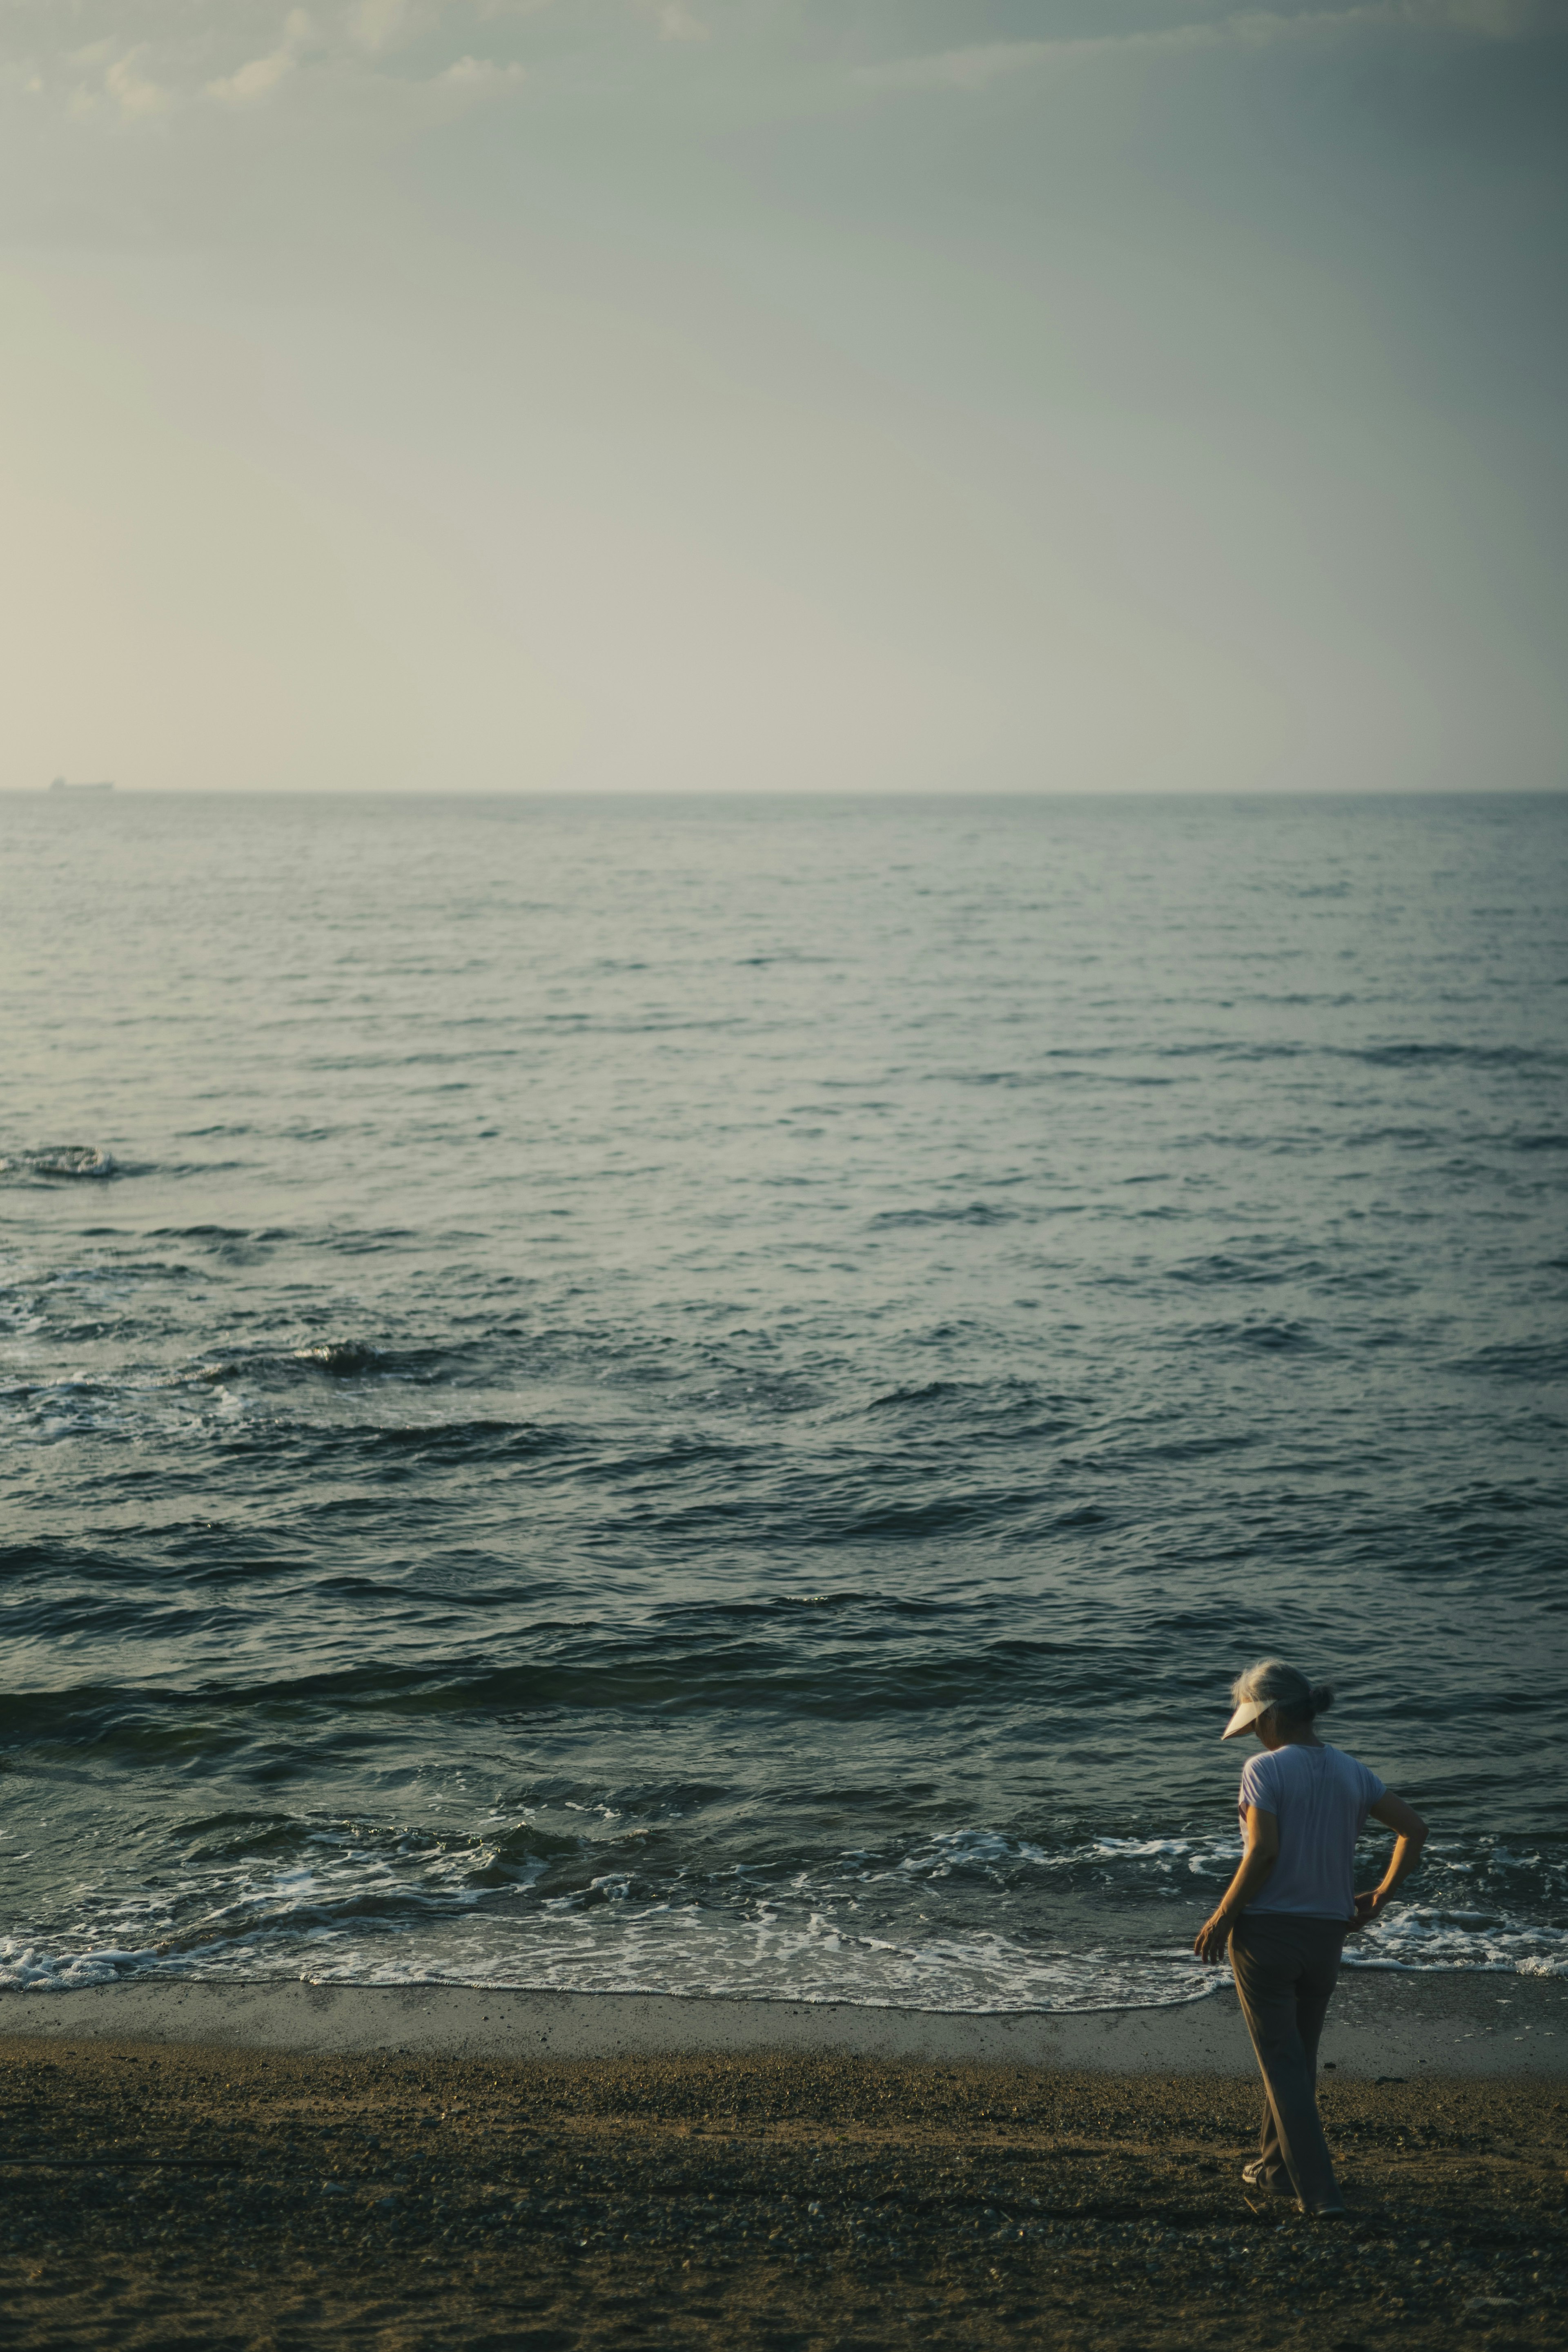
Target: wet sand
1382,2022
166,2192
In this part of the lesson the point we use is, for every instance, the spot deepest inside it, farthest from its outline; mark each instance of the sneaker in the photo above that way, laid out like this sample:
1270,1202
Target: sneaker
1257,2176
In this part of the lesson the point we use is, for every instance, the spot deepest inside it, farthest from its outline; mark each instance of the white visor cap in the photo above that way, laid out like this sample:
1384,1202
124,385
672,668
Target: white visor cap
1245,1716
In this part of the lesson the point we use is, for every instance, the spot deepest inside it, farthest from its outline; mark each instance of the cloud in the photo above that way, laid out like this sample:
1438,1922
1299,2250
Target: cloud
977,66
379,24
101,76
132,92
1503,20
479,75
135,61
141,61
258,81
673,21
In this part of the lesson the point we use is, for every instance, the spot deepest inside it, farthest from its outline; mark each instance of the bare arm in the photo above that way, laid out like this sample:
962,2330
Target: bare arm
1262,1851
1409,1837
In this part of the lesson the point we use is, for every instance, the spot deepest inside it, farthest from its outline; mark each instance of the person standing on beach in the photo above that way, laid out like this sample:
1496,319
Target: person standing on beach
1290,1906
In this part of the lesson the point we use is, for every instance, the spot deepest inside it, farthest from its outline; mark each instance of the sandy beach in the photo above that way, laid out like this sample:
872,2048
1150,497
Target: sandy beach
364,2168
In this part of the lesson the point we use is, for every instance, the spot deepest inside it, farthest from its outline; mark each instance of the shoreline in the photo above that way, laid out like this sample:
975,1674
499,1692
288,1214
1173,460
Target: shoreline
1381,2023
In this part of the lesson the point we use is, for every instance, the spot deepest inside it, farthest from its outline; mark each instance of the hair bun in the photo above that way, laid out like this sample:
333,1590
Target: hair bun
1322,1697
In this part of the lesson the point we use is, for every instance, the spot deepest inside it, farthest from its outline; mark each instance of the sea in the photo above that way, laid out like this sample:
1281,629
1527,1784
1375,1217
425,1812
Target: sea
705,1395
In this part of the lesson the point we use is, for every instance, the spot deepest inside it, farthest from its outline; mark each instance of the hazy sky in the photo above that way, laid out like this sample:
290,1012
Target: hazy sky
752,393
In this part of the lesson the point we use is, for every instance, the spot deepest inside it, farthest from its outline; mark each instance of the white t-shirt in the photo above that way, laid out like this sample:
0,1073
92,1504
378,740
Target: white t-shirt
1320,1797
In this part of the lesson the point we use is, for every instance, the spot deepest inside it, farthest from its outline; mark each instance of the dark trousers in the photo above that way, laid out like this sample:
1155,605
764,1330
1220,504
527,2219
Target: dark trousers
1285,1970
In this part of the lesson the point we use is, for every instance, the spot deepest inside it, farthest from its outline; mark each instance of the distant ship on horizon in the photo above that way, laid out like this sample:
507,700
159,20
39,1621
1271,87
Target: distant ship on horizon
61,784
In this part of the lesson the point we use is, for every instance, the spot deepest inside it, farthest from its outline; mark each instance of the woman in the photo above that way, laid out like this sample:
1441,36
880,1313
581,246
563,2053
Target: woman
1290,1906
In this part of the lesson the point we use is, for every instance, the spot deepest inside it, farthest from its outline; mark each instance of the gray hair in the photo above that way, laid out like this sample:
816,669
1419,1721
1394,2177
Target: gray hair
1282,1691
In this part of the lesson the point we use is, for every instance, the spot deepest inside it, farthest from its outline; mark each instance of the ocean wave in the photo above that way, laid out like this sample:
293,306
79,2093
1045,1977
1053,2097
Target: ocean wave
968,1213
1423,1936
1451,1052
1520,1360
68,1162
1004,1413
330,1360
1275,1334
592,1895
812,1960
606,1943
571,1900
